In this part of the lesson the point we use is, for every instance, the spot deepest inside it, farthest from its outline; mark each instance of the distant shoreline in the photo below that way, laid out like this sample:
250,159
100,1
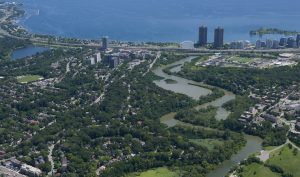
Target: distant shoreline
274,31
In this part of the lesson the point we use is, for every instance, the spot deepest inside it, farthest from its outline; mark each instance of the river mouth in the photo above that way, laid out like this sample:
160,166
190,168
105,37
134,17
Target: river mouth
194,90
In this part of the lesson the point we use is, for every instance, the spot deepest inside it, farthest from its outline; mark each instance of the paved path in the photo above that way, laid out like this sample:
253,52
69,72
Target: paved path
294,145
50,158
152,64
265,155
68,67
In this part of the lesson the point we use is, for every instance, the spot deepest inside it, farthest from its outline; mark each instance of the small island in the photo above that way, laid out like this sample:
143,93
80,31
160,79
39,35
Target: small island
265,31
170,81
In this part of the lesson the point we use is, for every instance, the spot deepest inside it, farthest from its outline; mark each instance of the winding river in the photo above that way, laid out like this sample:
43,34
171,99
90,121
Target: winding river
183,86
27,52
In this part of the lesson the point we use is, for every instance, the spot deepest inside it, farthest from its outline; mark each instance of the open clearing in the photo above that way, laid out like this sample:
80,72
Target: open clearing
208,143
158,172
257,170
287,160
28,78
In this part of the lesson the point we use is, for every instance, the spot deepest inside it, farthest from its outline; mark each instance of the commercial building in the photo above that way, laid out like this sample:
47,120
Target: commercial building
263,44
275,44
92,61
283,42
269,43
258,44
238,45
97,57
219,38
114,61
291,42
298,39
202,36
104,43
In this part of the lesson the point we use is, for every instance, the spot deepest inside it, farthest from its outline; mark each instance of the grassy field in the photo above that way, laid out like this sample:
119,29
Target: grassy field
158,172
208,143
28,78
286,159
257,170
269,148
241,59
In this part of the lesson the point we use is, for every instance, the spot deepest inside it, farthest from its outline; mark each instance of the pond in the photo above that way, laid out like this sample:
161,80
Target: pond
27,52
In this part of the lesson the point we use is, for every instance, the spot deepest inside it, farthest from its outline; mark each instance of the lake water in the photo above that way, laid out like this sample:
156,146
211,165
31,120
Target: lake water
157,20
27,52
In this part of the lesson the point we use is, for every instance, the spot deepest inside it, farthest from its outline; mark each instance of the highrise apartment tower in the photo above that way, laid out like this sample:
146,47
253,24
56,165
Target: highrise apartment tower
219,38
202,36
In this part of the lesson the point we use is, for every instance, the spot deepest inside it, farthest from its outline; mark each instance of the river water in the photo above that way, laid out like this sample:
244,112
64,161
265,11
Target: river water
183,86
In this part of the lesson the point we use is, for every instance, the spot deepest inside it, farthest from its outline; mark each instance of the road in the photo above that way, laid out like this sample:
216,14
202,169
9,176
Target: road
50,158
265,155
294,145
68,67
152,64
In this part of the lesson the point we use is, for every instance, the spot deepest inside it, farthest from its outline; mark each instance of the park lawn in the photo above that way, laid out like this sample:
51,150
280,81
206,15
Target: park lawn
196,68
28,78
208,143
258,170
158,172
286,160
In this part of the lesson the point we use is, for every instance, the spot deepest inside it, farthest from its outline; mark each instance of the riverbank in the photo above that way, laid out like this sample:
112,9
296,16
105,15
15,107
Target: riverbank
281,161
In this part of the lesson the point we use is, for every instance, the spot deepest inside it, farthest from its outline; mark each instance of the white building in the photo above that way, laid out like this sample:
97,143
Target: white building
187,45
92,60
97,57
30,170
269,43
